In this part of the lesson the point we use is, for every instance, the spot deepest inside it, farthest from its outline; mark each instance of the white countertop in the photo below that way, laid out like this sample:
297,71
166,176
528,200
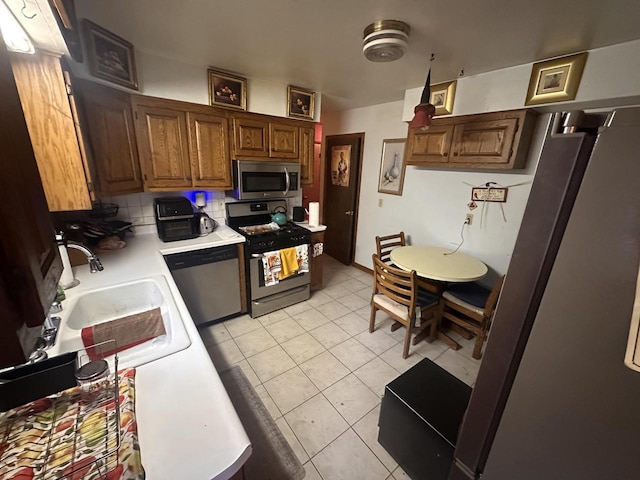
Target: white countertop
187,425
319,228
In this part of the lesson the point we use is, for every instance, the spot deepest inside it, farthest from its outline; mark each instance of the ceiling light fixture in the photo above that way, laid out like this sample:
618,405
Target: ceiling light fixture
385,40
13,34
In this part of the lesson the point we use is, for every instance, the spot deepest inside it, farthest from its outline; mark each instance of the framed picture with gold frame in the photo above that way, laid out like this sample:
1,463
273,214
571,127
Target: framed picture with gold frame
300,102
555,80
227,90
442,96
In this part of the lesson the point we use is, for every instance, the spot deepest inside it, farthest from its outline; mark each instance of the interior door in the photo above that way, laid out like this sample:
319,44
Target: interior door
343,155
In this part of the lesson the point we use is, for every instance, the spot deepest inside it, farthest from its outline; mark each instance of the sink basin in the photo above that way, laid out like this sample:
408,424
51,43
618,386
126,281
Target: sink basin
109,303
115,302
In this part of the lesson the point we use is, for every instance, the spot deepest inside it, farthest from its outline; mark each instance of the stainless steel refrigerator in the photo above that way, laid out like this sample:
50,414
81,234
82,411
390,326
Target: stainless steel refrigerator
554,398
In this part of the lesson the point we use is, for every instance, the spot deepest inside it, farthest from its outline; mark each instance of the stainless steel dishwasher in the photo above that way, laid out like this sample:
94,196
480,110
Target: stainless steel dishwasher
209,281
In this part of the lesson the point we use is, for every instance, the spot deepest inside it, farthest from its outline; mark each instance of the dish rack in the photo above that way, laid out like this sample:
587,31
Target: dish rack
73,434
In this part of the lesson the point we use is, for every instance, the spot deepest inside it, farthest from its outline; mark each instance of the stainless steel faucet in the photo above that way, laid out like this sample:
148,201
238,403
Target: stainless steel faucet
94,262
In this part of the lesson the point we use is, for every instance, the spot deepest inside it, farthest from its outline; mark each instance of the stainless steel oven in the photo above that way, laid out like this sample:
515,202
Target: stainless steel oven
264,180
267,299
251,219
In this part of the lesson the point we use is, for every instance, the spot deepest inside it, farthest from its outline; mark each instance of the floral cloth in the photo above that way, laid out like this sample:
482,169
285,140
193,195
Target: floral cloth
73,435
272,264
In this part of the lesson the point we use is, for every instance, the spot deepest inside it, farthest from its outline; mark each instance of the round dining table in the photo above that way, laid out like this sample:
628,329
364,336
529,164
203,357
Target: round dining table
439,267
439,264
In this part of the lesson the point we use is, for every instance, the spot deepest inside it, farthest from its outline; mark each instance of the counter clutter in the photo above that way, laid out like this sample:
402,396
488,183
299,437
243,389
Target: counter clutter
187,425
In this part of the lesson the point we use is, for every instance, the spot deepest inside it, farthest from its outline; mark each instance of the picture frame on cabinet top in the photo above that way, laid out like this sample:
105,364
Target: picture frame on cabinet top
227,90
555,80
442,96
111,57
300,102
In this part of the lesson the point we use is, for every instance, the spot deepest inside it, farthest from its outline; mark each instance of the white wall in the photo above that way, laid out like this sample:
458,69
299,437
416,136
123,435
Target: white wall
433,205
167,78
611,77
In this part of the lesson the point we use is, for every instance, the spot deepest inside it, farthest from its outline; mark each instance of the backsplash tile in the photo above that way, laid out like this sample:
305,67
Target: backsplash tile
138,207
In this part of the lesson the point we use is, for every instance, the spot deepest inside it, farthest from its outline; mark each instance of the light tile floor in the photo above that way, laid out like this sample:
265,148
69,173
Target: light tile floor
321,374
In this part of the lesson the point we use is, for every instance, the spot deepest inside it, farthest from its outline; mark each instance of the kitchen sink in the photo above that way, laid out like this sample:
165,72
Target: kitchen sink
109,303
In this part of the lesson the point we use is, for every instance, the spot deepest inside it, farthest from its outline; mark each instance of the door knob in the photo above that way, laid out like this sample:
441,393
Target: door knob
349,212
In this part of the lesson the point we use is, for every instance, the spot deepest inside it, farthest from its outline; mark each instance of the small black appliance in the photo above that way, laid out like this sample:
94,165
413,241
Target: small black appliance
175,218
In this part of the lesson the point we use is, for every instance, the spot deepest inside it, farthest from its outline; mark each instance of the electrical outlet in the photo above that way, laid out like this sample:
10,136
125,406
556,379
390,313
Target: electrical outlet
468,219
380,202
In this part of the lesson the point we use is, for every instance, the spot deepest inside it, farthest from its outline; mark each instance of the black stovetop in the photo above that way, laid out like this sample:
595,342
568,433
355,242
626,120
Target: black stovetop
286,236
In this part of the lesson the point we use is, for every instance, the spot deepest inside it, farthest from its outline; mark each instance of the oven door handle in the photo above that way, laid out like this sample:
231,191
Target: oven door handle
287,180
279,295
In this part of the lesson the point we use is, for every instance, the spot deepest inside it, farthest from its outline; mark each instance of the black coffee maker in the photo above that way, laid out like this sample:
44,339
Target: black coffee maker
298,214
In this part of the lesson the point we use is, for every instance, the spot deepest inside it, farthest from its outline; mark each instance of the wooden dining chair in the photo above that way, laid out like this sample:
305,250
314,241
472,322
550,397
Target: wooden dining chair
385,244
396,293
471,307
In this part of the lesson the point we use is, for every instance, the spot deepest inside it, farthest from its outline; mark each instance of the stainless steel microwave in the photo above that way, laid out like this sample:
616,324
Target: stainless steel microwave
260,180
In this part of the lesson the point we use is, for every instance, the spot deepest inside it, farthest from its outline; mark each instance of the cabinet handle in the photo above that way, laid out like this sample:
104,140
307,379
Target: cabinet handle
189,177
197,177
445,154
455,154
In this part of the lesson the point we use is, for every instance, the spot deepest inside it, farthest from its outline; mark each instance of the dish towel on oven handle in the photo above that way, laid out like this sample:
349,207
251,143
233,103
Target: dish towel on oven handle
271,266
295,260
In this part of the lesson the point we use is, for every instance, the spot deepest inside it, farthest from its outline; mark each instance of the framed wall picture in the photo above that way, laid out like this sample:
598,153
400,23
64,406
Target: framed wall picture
392,166
300,102
555,80
340,165
442,96
110,56
227,90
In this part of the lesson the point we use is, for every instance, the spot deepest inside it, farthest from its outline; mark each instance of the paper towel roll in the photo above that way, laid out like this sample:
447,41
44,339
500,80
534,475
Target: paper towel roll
314,214
67,279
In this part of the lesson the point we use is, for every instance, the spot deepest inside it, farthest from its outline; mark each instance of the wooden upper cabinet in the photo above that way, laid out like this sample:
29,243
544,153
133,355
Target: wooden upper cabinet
209,150
262,137
163,145
430,146
30,265
251,137
283,141
487,142
111,134
498,140
44,96
306,155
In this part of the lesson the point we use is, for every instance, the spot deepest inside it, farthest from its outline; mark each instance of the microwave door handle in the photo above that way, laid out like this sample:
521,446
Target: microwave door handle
288,181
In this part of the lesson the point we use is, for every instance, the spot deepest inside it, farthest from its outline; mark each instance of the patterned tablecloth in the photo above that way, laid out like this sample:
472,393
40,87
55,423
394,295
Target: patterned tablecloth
74,435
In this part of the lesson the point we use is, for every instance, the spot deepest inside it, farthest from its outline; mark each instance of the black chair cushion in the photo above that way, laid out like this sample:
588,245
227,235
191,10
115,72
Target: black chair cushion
470,292
426,298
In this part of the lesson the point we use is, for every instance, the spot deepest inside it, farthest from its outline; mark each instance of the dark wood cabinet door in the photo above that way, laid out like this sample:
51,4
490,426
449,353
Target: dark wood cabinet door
429,146
317,263
283,141
111,134
209,150
30,265
251,138
163,145
306,155
488,142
